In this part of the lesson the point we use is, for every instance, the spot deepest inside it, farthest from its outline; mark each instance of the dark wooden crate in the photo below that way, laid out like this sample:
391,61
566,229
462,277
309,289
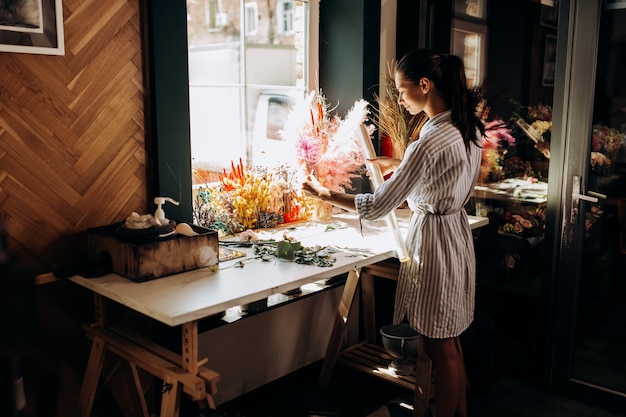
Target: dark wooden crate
144,259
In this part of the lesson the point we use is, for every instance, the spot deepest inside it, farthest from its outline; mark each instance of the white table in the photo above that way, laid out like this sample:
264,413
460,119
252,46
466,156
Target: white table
185,298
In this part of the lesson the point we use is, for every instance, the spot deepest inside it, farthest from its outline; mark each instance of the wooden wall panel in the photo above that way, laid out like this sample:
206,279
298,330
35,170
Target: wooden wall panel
72,134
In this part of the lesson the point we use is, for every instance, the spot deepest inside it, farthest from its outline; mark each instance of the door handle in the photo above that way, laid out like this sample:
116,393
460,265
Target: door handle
577,195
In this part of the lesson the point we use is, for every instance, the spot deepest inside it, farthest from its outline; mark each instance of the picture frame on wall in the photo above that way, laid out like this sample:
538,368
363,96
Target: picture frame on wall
32,27
549,61
549,16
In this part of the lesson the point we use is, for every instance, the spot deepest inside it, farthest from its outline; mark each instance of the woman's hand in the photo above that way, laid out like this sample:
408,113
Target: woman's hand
314,188
386,164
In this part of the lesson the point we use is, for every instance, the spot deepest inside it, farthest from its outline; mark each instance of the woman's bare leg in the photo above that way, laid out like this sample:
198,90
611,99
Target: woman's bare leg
450,379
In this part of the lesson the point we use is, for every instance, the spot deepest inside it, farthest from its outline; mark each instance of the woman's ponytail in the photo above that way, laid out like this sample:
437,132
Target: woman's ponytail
463,101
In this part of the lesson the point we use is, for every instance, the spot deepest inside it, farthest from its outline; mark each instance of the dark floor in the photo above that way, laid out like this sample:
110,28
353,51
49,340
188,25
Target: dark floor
353,394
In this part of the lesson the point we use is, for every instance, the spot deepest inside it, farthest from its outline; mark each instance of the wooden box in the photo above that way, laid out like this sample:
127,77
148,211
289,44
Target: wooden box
142,259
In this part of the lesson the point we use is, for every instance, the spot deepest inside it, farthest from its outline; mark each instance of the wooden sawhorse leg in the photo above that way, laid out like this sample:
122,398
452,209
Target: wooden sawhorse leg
339,327
137,384
154,359
92,375
170,398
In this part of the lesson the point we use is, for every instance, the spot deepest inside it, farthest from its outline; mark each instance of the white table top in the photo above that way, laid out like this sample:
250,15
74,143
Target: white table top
193,295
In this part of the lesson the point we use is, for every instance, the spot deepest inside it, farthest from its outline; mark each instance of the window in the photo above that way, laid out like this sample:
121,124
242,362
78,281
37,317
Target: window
470,8
243,79
469,38
272,110
278,109
212,10
469,42
284,17
251,22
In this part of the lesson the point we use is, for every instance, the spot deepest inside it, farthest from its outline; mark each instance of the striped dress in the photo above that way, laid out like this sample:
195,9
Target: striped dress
436,286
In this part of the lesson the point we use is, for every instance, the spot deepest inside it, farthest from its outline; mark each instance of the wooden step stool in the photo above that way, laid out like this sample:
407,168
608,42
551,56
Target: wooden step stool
368,356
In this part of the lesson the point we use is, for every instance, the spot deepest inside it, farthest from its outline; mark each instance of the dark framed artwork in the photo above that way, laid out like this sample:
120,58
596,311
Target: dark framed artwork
549,16
32,27
549,61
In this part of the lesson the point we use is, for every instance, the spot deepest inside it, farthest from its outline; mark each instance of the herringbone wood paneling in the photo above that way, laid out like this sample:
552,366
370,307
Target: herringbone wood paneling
72,134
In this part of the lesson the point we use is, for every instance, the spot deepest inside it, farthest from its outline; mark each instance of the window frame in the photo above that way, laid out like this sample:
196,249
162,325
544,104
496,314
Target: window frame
480,30
166,78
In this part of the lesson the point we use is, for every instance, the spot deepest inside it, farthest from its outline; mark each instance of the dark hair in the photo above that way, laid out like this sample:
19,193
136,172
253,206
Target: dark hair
447,72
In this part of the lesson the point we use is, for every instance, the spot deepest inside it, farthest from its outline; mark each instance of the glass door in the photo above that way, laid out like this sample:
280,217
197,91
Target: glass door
508,49
589,355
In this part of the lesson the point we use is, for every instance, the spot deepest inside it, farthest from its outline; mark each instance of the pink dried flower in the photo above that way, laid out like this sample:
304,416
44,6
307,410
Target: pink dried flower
497,132
326,146
310,149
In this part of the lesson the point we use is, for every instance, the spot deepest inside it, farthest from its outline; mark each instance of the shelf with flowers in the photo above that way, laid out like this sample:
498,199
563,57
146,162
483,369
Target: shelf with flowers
606,143
510,244
255,197
536,124
527,224
510,191
506,175
506,153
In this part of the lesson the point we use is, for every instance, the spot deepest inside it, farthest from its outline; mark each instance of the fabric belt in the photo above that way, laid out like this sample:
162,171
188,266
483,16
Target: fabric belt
428,213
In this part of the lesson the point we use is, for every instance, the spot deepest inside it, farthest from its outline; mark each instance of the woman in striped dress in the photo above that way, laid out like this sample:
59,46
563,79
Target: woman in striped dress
436,286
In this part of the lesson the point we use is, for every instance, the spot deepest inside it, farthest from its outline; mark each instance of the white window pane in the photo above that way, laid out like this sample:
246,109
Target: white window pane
227,88
215,122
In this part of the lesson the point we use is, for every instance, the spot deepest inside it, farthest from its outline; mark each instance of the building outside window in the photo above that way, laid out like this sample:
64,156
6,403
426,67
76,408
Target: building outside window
237,68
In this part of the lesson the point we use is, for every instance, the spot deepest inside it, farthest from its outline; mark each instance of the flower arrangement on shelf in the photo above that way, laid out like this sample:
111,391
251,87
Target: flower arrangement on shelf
495,142
505,152
251,198
537,126
540,117
516,167
525,224
327,146
599,161
499,157
593,214
605,145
